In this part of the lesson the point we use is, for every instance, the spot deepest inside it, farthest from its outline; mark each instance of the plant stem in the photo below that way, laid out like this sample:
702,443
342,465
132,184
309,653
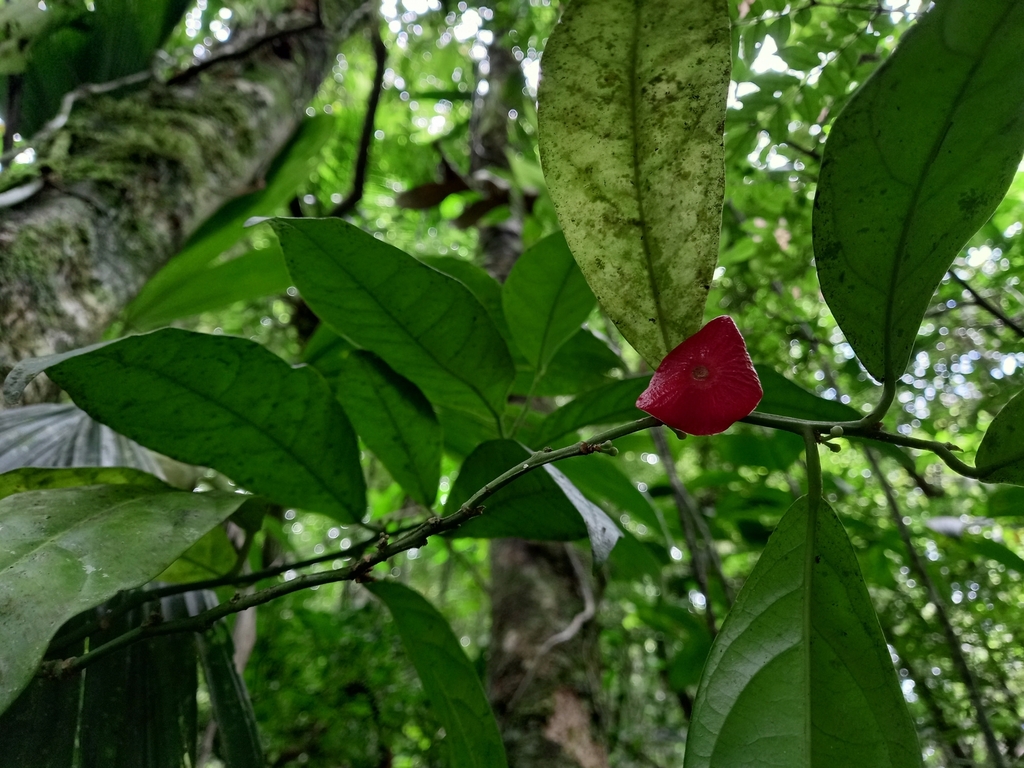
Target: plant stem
358,571
140,597
813,470
941,611
687,513
855,429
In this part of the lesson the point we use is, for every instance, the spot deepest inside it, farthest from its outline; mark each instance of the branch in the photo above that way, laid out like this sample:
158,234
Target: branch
359,571
380,53
136,598
987,305
944,451
58,121
246,44
687,518
941,610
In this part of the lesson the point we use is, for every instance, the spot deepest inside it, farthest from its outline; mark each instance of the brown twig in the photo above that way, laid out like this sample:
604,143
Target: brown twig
359,571
988,306
687,519
380,53
942,612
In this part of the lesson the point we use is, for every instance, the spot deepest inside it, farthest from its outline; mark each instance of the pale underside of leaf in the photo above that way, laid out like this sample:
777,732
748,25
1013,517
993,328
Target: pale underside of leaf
632,108
70,549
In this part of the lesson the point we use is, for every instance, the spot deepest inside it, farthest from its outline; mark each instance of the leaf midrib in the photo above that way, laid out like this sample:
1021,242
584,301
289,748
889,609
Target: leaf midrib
542,363
244,419
645,238
396,429
888,370
386,311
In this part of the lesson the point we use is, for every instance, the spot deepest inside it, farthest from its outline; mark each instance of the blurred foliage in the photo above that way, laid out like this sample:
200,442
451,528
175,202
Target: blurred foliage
794,68
330,683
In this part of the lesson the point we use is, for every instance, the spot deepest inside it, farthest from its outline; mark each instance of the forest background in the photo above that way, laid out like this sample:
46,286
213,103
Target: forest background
416,122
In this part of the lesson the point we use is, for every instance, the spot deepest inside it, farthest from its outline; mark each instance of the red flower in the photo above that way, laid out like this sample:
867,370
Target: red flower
706,384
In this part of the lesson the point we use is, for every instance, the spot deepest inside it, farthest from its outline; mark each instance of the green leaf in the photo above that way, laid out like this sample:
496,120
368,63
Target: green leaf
325,350
582,363
254,274
1006,502
993,550
774,451
463,431
541,505
395,420
1000,456
632,105
425,325
631,560
229,404
914,165
545,300
485,288
784,398
42,479
239,736
609,404
800,674
211,557
70,549
289,170
448,677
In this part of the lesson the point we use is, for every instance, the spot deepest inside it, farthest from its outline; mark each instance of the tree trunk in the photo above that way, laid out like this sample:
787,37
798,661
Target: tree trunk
132,175
543,692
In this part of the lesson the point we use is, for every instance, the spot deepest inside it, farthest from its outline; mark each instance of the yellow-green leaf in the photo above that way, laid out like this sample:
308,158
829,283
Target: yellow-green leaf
632,106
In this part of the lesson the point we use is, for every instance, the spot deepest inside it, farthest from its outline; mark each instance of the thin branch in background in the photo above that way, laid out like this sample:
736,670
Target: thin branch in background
58,121
988,306
942,612
814,154
688,512
946,734
380,53
244,44
571,630
12,111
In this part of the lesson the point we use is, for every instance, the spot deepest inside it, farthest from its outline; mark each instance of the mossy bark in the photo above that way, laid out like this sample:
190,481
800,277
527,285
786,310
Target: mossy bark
132,175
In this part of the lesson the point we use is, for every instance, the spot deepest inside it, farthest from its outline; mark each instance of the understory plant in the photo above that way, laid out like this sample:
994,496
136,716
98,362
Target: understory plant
416,355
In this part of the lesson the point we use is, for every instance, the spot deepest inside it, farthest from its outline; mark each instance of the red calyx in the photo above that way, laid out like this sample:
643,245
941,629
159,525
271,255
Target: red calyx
706,384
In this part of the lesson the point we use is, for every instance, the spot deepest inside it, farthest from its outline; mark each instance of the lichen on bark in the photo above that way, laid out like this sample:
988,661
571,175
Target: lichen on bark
133,173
